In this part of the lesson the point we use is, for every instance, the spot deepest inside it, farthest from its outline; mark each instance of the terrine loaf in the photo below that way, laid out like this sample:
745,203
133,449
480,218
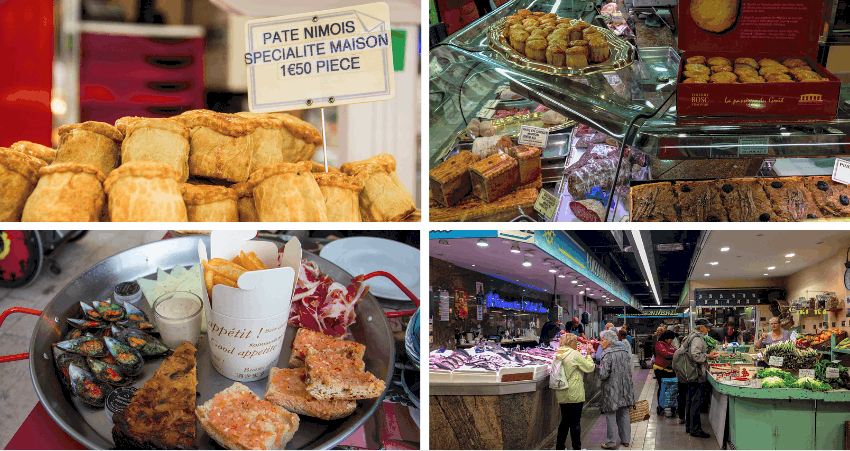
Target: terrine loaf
450,180
528,159
494,176
474,209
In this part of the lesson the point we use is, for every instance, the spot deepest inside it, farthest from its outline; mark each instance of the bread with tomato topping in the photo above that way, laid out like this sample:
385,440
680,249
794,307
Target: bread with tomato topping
307,339
236,418
333,375
288,389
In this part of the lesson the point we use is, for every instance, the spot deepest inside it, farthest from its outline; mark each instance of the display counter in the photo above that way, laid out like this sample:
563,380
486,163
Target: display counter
781,418
507,415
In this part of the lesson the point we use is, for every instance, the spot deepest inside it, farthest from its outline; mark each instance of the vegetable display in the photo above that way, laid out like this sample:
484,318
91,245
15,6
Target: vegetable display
793,357
809,383
785,376
843,381
773,382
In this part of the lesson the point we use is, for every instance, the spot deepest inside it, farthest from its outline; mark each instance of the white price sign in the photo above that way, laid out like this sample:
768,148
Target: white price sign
444,306
776,361
327,58
807,373
755,383
480,313
831,373
841,171
533,136
748,145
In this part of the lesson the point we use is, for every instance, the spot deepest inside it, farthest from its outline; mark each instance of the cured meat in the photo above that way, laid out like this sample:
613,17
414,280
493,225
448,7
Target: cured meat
588,210
323,305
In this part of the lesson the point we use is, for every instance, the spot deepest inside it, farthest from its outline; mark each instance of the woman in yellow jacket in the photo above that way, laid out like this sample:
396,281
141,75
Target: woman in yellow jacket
571,398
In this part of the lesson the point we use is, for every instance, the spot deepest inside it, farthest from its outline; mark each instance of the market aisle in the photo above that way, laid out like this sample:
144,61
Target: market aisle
17,395
655,433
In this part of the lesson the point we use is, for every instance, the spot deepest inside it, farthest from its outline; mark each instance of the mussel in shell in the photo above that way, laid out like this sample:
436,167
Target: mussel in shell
107,372
90,313
86,387
144,326
140,341
128,359
86,324
110,311
64,360
86,345
135,314
73,333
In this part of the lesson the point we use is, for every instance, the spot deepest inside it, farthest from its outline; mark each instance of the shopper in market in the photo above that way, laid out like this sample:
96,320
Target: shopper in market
621,335
548,332
598,354
675,330
730,332
663,364
690,362
775,335
625,330
571,399
617,389
576,327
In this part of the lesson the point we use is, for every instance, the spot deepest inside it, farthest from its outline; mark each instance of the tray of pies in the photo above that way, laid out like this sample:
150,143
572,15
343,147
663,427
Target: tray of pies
187,375
560,46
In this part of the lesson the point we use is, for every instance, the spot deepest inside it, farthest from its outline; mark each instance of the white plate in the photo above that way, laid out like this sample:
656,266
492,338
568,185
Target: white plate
363,255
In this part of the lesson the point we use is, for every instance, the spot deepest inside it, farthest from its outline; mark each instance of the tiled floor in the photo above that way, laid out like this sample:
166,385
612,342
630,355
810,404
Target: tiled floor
656,433
17,395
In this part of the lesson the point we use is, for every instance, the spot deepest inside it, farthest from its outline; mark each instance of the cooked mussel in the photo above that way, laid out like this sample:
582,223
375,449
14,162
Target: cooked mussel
86,387
64,360
107,372
90,313
86,324
110,311
144,326
86,345
128,359
140,341
72,334
135,314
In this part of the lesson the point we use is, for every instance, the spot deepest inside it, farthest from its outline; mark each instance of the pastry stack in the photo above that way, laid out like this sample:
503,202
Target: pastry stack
488,185
717,69
198,166
553,40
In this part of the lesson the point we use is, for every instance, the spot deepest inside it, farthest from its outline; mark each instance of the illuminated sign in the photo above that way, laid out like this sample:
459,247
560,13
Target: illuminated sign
494,301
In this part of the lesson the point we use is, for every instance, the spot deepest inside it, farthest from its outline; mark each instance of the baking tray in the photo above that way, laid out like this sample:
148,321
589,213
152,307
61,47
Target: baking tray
622,54
92,428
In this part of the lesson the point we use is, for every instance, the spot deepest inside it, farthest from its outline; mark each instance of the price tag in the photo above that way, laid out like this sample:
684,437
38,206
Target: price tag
841,171
317,59
546,204
748,145
533,136
491,103
444,306
831,373
755,383
486,113
776,361
807,373
480,313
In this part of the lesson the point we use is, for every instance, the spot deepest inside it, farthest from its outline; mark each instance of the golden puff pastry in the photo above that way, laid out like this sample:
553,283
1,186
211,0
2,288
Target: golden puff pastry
696,60
18,178
162,140
245,202
747,62
298,139
384,197
794,62
209,203
696,80
287,192
698,68
718,61
94,143
723,77
715,16
43,153
342,195
716,69
319,167
220,145
141,191
66,192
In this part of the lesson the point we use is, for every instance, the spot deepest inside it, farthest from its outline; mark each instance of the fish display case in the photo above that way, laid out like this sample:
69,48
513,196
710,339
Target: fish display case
730,168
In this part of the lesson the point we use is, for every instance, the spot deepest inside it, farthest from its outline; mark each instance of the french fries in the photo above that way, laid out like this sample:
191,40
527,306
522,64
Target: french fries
220,271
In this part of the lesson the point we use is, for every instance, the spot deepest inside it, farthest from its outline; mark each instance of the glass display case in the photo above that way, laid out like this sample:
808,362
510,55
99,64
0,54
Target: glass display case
634,105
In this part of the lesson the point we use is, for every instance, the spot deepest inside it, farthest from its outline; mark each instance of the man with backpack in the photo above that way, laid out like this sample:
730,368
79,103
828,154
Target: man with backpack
690,362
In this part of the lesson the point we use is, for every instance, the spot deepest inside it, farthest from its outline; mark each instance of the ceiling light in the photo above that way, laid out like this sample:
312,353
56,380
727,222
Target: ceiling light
706,274
575,281
526,263
473,265
724,249
581,284
638,241
771,267
790,255
561,276
581,292
553,270
515,248
444,242
713,263
765,273
483,242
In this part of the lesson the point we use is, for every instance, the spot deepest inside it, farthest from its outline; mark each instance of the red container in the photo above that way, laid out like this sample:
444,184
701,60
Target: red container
771,29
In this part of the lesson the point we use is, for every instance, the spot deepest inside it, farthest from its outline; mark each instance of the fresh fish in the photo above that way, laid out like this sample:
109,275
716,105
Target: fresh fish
90,313
86,324
110,311
135,314
86,345
109,373
128,359
140,341
86,387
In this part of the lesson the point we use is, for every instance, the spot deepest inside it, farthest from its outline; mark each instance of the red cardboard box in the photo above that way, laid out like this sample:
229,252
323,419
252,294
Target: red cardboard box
775,29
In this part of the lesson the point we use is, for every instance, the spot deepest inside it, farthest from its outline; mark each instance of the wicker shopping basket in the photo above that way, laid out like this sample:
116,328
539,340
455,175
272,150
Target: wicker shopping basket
639,411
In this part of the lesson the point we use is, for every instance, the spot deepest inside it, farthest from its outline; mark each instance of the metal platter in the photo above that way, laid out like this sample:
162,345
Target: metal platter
622,54
92,428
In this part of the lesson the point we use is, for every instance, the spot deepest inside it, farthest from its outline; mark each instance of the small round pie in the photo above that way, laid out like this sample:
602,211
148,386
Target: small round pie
696,60
723,77
718,61
210,203
747,62
716,69
696,80
794,62
43,153
698,68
